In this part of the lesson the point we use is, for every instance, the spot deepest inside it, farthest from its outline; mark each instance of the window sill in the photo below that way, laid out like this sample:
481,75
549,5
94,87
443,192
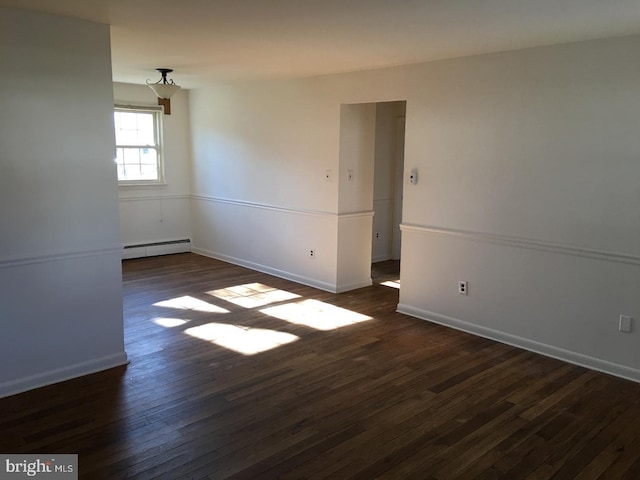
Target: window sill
142,184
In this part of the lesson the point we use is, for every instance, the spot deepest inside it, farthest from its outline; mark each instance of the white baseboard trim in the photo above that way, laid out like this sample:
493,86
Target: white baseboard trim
327,287
524,343
14,387
352,286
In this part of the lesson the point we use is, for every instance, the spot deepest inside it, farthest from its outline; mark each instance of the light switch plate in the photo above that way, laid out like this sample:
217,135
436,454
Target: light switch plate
625,324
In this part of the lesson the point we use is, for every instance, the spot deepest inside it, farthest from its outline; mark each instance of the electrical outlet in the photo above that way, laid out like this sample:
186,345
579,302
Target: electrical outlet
312,253
377,235
413,176
625,324
463,287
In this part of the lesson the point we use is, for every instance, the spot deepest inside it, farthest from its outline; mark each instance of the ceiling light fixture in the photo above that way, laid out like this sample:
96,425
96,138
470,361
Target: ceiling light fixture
164,89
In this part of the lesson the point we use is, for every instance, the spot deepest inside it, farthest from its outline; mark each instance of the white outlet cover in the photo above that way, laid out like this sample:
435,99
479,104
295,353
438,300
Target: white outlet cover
625,324
413,176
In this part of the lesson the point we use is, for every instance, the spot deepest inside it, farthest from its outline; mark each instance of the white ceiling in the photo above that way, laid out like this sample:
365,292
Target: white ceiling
213,40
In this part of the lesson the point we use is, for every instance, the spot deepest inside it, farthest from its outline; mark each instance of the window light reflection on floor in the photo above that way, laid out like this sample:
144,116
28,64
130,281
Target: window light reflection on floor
315,314
169,322
392,284
191,303
241,339
252,295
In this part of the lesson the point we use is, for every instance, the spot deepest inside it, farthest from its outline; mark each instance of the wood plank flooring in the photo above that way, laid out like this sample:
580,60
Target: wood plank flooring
236,374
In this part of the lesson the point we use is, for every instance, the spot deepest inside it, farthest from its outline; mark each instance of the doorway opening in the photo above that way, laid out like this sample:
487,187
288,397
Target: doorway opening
388,187
371,158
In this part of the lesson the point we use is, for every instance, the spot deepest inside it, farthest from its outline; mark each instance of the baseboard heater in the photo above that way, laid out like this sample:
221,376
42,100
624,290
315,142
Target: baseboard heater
156,248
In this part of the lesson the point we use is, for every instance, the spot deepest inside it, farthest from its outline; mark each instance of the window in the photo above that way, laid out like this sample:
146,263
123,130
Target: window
138,145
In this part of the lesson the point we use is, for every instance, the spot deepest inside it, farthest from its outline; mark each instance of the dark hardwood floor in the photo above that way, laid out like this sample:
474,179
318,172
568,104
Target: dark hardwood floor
239,375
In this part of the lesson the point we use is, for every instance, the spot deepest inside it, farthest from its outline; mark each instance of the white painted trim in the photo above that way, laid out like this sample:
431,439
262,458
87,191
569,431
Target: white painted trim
263,206
155,197
524,343
172,241
351,215
353,286
59,256
531,244
61,374
327,287
153,250
132,184
138,106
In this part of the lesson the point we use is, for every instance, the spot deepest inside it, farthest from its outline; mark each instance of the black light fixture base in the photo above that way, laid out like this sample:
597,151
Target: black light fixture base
163,72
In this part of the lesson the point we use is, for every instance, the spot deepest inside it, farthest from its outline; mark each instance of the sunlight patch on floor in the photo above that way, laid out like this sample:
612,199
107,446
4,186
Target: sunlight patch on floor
315,314
169,322
191,303
391,283
252,295
244,340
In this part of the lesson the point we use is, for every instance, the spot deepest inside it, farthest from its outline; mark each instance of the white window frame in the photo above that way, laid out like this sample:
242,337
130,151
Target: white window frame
157,123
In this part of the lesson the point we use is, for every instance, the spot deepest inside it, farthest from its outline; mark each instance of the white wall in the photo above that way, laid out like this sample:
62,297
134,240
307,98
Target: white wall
158,213
260,196
60,276
528,189
355,197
